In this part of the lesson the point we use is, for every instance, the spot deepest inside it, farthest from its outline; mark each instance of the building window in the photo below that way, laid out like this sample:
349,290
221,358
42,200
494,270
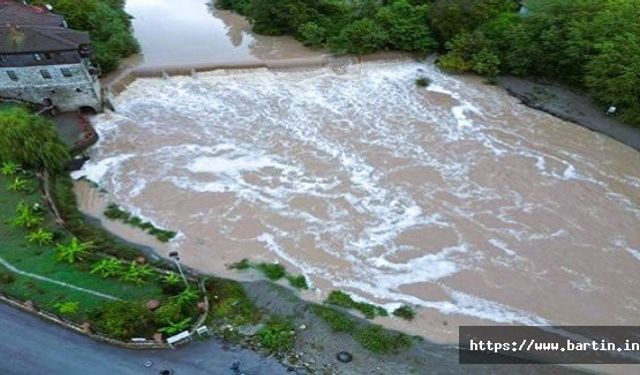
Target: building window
45,74
66,72
37,56
12,75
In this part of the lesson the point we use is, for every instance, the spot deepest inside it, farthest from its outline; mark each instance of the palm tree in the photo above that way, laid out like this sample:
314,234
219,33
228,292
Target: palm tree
25,217
187,297
171,278
108,267
174,328
74,250
19,184
8,168
137,274
40,237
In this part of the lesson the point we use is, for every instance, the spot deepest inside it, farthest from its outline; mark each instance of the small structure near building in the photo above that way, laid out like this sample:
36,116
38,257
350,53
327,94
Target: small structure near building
44,62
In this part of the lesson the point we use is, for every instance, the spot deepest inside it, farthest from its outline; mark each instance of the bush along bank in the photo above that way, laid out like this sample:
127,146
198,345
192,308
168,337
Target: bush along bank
591,45
273,272
114,212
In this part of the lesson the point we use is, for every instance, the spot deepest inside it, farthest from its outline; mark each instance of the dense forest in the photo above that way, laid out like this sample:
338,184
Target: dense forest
107,23
588,44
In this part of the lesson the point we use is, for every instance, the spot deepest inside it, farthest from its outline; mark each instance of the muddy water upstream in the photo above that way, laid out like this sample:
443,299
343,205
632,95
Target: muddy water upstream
454,198
193,32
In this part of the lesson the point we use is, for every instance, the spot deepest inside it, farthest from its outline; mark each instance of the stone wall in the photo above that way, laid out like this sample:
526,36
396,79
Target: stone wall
67,93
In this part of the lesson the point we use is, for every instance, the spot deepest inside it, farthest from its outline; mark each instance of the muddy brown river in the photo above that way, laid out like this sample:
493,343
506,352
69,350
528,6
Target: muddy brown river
454,198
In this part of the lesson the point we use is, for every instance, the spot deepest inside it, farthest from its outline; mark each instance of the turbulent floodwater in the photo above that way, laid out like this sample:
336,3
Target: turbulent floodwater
454,198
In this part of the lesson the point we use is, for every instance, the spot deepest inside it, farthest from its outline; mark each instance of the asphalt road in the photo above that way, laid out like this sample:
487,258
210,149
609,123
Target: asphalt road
29,345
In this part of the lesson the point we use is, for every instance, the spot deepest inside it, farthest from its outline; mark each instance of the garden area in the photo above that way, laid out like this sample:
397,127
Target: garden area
84,277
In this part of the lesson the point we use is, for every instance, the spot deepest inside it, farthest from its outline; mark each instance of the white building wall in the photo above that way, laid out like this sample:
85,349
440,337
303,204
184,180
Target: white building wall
65,93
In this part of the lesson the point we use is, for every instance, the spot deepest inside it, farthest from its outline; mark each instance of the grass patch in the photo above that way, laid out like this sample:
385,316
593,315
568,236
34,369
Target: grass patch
405,312
278,335
114,212
342,299
338,321
376,339
229,303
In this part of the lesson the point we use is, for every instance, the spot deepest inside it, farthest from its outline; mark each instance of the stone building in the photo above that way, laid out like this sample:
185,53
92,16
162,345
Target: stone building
44,62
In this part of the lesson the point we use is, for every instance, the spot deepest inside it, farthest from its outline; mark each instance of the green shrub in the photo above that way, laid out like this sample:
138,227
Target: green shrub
241,265
376,339
423,82
273,271
338,321
108,267
40,237
342,299
124,320
9,168
299,281
312,34
67,308
278,335
31,141
405,312
114,212
168,312
6,278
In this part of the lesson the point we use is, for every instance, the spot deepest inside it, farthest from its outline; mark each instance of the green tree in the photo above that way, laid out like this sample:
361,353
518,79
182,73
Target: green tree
74,250
486,63
613,75
312,34
361,37
40,237
407,26
452,17
108,25
30,140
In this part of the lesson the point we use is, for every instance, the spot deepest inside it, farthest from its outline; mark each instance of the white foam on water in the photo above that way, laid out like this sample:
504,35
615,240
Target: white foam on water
502,246
96,171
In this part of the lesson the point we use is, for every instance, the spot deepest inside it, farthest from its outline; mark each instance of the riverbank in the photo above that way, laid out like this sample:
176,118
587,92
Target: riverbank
317,345
571,106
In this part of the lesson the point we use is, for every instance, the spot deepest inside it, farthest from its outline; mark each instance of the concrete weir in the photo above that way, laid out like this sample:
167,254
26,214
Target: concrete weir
122,79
